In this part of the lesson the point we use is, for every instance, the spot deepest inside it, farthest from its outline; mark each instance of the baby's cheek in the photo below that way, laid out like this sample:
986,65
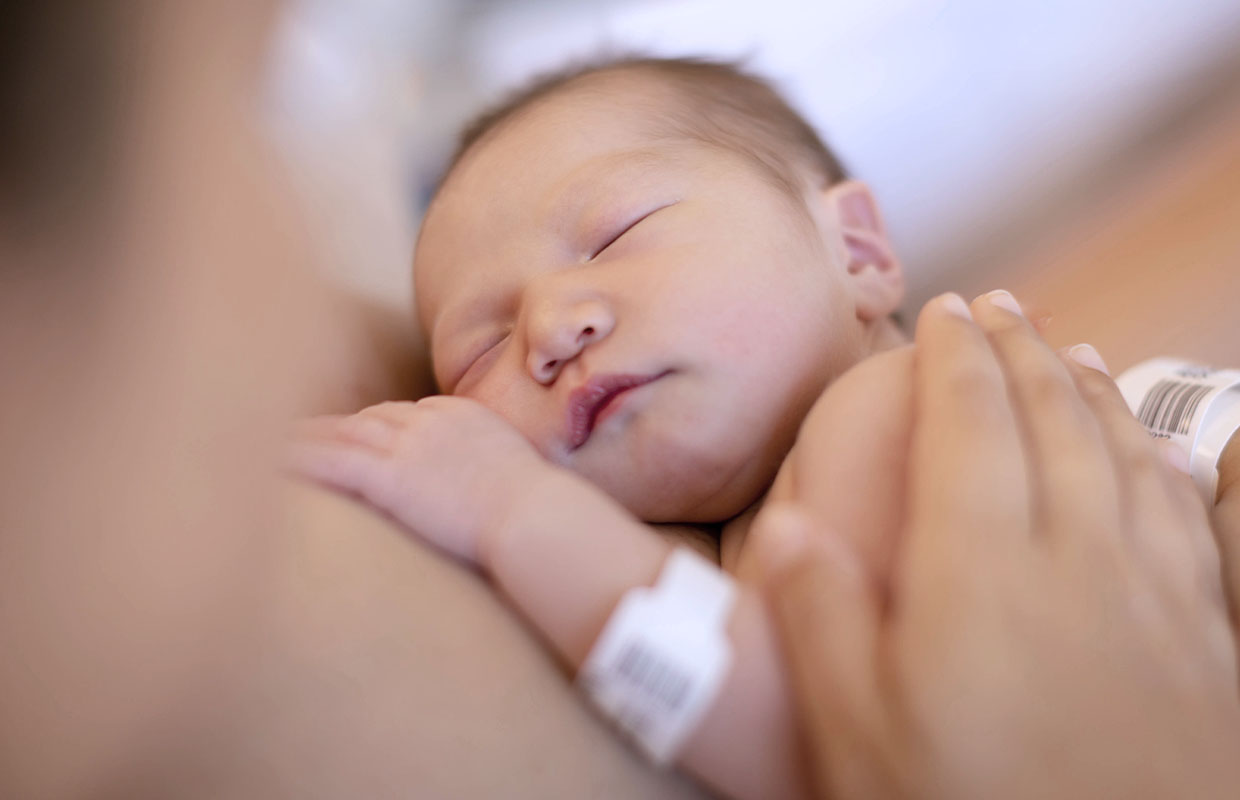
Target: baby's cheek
518,411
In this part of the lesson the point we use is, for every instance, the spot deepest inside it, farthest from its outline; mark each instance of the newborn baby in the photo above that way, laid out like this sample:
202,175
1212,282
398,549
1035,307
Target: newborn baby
652,270
637,281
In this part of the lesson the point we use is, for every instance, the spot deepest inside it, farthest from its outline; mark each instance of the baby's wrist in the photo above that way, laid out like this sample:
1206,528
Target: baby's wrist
519,504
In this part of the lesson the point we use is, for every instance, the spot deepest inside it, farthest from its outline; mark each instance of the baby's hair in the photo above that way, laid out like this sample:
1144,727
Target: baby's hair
715,102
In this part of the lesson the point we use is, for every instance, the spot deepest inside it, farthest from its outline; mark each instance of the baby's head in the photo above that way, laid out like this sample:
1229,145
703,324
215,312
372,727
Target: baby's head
652,268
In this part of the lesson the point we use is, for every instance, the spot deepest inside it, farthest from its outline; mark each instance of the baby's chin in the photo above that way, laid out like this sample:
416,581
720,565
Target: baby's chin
699,496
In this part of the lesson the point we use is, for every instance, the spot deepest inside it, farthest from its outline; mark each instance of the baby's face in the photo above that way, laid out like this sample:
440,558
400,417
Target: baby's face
653,314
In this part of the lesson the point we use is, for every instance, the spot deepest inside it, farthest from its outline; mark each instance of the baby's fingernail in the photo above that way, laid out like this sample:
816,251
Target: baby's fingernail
1004,299
955,304
1087,356
1175,455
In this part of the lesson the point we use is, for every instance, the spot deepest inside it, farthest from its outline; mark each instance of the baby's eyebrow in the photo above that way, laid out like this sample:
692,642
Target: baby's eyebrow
594,183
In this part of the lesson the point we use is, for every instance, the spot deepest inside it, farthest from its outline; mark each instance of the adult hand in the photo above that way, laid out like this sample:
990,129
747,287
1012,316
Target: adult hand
1054,626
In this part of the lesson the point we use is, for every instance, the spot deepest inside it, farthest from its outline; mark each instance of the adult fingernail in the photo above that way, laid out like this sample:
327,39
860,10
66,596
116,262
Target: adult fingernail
1087,356
1004,299
955,304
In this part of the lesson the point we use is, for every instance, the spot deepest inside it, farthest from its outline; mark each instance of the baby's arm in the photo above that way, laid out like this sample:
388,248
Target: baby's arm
563,552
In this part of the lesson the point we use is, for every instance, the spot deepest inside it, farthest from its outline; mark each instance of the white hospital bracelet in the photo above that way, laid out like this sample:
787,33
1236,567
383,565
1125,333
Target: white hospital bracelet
1196,407
661,658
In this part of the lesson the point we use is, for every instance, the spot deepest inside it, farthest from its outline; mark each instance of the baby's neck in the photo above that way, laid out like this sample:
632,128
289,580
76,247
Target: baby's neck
885,335
704,537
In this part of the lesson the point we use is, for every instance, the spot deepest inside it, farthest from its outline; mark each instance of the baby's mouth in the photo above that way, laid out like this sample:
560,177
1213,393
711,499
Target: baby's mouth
592,398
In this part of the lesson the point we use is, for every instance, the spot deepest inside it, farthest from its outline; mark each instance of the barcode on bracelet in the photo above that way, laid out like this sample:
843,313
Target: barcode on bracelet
1169,406
659,680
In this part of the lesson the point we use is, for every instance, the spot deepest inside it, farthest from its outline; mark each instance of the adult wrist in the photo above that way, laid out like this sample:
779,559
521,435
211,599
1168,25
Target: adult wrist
1229,468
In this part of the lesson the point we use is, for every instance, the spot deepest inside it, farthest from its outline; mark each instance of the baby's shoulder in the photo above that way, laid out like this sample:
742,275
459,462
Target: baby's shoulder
875,388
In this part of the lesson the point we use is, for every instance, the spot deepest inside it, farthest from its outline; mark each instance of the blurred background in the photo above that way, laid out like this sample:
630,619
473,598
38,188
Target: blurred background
1084,153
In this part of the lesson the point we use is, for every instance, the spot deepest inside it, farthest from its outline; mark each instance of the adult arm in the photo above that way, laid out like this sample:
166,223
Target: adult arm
374,352
388,670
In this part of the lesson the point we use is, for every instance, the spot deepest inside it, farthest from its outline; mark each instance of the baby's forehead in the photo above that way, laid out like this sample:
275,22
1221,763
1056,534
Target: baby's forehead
511,203
593,140
542,157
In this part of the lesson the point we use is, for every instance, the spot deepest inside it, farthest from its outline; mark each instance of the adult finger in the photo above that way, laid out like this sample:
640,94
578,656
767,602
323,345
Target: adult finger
1074,484
1164,516
967,479
828,616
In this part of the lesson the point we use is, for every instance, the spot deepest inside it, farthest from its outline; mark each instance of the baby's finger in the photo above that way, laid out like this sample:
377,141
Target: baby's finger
967,468
343,467
354,429
1069,465
397,413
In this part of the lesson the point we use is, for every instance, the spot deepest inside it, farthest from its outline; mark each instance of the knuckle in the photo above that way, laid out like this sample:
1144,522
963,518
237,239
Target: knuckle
1141,456
357,426
1048,388
968,381
1098,388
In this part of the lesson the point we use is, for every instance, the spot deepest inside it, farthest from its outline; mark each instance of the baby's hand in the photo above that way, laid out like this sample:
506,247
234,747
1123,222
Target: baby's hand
446,467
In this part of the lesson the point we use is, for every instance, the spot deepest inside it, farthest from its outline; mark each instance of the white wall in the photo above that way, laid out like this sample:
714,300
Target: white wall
963,115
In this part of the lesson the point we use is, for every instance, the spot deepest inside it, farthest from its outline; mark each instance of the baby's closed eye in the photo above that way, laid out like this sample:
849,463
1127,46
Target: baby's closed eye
489,351
633,223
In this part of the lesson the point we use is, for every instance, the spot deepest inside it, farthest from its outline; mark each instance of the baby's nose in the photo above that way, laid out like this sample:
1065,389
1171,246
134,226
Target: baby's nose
564,340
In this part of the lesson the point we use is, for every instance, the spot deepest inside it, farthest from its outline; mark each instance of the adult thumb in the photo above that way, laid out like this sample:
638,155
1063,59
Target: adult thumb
828,615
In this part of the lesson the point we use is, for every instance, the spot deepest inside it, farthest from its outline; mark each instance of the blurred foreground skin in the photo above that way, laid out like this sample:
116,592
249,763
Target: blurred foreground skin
177,622
131,354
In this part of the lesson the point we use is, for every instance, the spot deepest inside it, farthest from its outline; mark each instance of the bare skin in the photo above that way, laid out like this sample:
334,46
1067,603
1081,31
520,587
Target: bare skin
379,678
1226,521
176,620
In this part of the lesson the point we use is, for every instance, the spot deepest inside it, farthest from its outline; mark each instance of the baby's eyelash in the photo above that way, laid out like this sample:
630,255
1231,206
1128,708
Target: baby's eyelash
615,238
473,362
626,229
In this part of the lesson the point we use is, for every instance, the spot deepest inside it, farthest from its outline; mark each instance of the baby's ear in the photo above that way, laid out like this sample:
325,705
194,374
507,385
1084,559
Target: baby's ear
875,271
